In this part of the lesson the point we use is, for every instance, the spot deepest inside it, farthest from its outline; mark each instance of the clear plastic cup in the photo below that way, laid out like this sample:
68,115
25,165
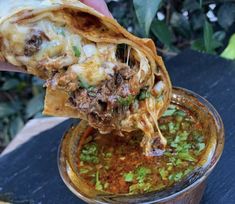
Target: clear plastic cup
187,191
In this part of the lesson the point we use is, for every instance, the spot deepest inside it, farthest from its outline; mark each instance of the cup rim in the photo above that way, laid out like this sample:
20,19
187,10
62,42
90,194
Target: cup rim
217,154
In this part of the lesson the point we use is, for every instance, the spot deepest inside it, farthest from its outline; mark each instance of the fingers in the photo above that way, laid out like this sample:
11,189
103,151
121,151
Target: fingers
98,5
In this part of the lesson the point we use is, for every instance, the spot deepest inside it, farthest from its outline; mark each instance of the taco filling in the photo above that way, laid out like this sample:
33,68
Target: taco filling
109,84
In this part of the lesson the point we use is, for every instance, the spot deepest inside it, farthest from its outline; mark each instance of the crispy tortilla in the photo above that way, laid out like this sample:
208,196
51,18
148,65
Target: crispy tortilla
99,30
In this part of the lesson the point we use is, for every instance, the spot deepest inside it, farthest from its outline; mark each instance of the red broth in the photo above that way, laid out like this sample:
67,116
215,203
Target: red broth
115,164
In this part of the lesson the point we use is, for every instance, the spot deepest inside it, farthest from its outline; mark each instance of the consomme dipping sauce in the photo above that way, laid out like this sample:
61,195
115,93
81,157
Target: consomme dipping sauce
112,169
115,164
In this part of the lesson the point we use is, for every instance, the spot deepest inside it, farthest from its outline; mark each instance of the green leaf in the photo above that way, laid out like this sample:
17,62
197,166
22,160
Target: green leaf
16,125
34,106
229,51
226,15
77,52
219,36
197,20
189,5
162,31
10,84
198,45
186,156
208,37
180,24
200,3
145,12
128,177
6,110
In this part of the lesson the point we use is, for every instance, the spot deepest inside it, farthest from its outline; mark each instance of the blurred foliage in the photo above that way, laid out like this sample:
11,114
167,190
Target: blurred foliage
178,24
21,98
173,24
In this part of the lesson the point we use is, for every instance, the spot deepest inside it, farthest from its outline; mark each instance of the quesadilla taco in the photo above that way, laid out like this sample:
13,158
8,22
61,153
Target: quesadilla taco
94,69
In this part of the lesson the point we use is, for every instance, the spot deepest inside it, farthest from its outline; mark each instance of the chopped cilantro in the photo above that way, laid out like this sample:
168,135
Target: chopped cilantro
167,153
141,173
144,94
89,158
186,156
183,147
163,127
90,148
135,188
89,153
83,171
201,146
185,125
172,106
128,177
77,52
188,170
83,84
180,113
184,135
168,112
125,101
90,88
176,176
179,118
163,173
98,185
198,137
175,161
172,127
108,154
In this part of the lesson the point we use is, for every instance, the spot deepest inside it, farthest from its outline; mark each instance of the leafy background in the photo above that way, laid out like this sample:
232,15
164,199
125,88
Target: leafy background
205,26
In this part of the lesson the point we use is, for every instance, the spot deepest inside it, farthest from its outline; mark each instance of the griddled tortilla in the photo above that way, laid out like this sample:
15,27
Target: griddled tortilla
94,68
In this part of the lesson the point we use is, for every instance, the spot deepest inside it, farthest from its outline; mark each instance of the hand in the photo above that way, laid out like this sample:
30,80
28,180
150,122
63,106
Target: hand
98,5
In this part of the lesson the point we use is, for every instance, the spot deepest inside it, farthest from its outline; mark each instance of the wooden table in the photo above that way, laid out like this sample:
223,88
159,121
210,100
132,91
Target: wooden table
28,167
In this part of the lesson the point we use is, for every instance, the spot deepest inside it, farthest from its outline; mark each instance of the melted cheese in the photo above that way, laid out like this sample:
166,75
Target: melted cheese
95,63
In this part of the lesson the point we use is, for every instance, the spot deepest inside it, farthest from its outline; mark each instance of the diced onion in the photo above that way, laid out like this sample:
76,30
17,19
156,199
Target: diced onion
158,88
108,68
77,69
89,50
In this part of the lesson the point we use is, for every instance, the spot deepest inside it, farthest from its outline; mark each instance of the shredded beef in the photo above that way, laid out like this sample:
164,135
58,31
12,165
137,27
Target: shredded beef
101,104
32,43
